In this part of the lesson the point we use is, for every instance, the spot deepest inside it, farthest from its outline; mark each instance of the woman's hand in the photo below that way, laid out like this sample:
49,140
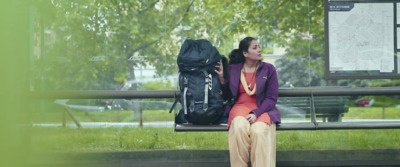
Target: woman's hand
219,69
251,118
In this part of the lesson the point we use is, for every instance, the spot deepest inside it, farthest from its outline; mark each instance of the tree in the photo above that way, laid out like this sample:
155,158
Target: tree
294,72
95,44
97,40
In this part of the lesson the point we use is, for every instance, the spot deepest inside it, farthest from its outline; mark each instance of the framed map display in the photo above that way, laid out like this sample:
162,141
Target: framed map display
361,39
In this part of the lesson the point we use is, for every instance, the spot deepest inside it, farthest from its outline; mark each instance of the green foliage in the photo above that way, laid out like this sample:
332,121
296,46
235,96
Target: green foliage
385,83
287,66
14,65
95,44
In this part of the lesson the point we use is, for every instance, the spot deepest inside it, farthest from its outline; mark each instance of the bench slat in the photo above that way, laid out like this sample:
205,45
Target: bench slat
222,127
301,126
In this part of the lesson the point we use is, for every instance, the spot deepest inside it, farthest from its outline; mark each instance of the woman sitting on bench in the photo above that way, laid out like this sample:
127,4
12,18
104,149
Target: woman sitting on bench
253,85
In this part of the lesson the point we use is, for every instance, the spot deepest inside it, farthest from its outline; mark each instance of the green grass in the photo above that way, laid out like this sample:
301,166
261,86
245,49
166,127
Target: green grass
105,116
122,139
372,113
127,139
338,139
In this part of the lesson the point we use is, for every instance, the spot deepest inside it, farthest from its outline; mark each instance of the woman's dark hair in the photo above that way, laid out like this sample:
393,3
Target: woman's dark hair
236,56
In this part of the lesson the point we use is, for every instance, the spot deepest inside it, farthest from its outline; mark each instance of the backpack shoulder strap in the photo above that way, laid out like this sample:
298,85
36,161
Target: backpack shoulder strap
207,85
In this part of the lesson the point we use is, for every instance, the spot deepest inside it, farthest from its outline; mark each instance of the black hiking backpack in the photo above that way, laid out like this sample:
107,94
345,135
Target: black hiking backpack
199,86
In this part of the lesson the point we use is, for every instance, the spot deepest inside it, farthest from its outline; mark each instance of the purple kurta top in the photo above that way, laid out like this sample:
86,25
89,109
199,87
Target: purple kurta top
267,89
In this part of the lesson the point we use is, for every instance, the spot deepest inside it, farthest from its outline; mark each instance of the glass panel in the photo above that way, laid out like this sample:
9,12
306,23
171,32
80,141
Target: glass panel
373,108
331,108
96,113
98,45
133,45
95,45
294,109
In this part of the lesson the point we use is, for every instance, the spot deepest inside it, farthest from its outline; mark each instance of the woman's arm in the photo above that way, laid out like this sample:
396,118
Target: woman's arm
224,79
219,69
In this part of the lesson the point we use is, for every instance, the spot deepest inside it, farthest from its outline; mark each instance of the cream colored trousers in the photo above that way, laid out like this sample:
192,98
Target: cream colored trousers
256,141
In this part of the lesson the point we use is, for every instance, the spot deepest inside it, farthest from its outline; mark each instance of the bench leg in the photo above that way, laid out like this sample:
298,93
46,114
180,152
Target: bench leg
67,110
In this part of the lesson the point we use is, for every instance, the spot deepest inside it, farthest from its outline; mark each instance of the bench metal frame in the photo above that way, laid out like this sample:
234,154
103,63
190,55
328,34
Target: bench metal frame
330,108
296,92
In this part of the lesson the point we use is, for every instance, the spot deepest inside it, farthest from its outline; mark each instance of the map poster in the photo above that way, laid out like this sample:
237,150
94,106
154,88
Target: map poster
361,39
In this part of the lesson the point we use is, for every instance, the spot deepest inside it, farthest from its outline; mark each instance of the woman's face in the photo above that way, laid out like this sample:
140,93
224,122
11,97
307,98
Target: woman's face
253,52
